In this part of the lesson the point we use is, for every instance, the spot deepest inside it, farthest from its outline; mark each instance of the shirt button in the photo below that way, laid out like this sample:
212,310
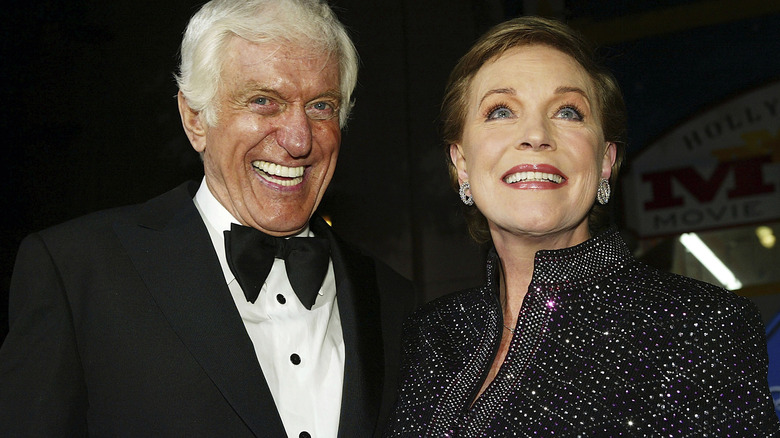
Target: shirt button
281,299
295,359
304,434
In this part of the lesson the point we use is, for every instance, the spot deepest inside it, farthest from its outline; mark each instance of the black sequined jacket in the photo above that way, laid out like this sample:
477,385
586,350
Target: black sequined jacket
605,346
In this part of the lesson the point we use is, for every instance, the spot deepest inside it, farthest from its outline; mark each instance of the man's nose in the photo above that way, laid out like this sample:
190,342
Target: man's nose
294,134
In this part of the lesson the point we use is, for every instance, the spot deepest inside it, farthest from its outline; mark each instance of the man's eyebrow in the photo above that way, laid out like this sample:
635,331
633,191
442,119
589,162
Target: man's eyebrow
330,94
256,87
497,91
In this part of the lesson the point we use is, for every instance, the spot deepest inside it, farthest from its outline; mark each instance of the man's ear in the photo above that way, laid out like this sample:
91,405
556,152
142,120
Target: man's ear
459,161
194,126
610,155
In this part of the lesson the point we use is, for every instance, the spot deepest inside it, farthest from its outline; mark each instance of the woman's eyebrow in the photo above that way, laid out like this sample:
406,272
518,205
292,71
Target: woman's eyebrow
569,89
497,91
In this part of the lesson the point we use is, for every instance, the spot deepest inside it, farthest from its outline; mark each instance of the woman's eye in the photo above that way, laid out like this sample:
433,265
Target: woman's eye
261,101
500,113
321,110
569,113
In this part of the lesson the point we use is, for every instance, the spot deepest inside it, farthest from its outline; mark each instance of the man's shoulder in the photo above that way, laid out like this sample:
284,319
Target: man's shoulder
152,211
387,277
396,292
358,257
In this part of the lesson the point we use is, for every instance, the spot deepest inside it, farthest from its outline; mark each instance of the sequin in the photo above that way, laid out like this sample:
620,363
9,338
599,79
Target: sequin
604,346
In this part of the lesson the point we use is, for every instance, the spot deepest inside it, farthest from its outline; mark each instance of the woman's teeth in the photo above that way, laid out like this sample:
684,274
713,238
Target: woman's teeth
533,176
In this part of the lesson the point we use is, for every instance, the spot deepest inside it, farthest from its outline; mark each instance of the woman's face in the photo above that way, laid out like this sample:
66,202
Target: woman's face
532,147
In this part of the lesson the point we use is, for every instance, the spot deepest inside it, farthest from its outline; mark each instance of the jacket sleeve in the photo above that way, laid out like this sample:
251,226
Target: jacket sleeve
743,352
42,390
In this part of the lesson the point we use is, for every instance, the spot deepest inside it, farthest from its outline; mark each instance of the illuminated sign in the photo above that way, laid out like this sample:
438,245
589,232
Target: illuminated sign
720,168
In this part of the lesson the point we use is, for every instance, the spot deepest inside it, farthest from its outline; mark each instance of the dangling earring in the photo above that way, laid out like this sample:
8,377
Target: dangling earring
467,199
602,194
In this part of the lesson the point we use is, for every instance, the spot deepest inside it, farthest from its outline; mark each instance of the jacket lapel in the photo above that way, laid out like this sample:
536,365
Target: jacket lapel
173,253
358,301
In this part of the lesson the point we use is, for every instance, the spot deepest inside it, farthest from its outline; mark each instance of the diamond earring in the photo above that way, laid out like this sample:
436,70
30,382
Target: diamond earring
602,194
466,198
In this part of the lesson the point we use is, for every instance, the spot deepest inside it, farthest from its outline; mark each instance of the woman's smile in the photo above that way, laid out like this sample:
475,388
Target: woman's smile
535,176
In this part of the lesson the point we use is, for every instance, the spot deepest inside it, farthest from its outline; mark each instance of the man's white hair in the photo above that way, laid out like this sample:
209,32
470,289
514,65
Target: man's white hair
302,23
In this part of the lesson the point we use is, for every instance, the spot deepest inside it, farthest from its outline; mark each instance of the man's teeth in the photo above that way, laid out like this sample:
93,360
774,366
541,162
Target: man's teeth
533,176
278,174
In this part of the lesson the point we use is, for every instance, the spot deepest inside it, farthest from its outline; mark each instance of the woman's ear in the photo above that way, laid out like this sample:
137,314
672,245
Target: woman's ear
459,161
193,124
610,155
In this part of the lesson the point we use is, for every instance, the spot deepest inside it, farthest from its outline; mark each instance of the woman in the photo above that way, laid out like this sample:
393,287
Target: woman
570,336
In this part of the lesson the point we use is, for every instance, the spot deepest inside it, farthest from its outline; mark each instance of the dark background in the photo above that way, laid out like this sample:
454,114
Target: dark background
89,117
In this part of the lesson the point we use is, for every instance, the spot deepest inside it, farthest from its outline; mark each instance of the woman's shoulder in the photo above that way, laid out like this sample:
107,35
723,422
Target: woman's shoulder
462,299
450,328
452,307
658,291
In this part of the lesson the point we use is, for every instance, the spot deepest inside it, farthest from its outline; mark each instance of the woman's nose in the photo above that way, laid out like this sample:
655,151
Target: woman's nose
535,134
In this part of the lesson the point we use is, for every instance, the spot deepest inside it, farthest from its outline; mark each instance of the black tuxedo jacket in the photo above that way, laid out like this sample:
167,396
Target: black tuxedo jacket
121,324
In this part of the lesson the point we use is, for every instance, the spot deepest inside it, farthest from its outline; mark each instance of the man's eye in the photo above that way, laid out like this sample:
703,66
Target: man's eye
321,110
264,106
264,102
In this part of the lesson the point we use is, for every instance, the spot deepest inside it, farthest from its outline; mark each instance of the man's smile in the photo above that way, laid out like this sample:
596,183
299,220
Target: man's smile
278,174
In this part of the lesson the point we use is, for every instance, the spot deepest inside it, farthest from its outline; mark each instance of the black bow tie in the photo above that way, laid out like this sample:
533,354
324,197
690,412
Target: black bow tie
251,253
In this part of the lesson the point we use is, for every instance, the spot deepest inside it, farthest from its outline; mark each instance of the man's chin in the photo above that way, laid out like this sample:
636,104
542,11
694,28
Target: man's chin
283,226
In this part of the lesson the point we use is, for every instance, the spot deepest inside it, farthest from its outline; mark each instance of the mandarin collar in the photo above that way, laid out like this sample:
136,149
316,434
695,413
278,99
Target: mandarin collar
580,265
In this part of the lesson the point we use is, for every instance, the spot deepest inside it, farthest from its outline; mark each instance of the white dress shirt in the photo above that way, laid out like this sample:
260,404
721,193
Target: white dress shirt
300,351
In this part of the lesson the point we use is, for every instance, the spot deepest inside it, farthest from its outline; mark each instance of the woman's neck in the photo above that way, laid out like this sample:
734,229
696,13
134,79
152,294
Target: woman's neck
515,276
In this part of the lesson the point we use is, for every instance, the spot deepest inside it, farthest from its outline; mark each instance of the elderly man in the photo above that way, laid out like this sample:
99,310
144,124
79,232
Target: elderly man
228,309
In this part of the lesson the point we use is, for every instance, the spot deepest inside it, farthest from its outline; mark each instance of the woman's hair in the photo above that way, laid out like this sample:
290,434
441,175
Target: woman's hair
302,23
525,31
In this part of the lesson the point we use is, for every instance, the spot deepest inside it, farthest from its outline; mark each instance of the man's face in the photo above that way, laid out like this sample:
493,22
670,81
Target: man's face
273,150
